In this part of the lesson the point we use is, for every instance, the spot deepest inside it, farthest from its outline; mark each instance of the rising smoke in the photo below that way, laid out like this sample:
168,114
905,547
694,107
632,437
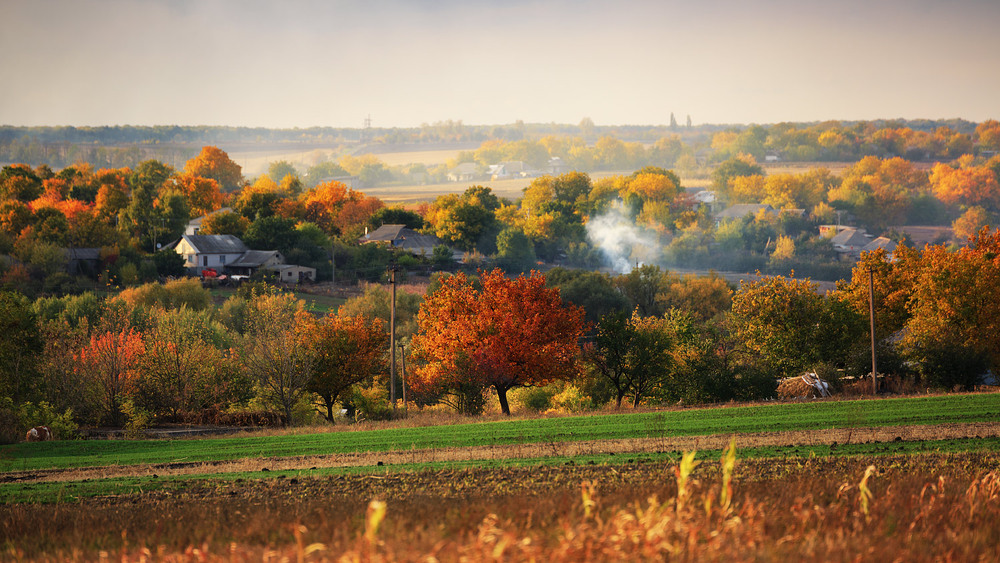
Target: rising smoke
623,243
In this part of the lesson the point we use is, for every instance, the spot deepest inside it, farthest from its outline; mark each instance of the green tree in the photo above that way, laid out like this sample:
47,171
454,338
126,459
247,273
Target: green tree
631,353
279,169
272,233
789,327
515,253
396,216
20,348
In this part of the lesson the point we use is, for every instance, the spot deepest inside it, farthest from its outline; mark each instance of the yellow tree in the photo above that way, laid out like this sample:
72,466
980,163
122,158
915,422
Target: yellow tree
968,184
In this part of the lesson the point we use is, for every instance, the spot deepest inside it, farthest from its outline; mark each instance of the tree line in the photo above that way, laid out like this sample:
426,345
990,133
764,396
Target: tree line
571,339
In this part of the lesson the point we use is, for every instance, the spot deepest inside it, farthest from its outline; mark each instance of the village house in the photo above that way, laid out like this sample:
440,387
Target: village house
209,251
464,172
402,238
228,254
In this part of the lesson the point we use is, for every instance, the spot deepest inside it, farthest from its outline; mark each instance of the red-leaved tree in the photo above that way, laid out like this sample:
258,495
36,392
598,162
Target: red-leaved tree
500,332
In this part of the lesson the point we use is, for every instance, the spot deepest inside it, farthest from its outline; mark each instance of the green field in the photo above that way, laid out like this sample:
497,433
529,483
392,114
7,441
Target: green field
48,492
690,422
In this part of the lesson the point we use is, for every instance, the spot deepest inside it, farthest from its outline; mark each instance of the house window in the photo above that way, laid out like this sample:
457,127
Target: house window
222,259
204,261
192,258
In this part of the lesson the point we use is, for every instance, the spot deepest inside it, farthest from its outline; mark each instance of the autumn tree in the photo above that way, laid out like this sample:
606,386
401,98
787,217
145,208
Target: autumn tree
503,333
112,360
338,209
466,221
954,329
346,351
202,194
215,164
968,184
274,350
224,223
184,368
971,222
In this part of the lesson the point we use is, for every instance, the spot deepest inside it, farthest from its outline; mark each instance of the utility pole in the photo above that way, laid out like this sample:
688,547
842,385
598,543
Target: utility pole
402,379
392,339
871,316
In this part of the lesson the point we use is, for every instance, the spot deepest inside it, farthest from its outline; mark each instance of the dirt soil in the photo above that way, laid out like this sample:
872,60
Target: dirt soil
840,436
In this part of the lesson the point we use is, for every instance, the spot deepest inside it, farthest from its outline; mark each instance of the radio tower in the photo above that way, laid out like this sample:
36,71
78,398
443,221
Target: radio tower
366,131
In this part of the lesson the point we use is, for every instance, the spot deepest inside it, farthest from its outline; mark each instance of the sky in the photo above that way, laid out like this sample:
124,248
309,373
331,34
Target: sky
305,63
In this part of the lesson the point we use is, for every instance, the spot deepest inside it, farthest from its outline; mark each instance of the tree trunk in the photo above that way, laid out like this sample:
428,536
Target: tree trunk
502,395
618,403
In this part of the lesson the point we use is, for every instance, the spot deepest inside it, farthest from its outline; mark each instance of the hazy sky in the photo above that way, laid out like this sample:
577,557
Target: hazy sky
302,63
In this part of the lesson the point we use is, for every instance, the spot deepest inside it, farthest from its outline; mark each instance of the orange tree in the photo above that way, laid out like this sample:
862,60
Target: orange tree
111,359
954,330
501,333
213,162
346,351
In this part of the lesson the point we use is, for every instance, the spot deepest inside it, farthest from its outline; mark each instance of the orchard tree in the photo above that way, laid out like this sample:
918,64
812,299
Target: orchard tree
346,351
183,368
631,353
502,333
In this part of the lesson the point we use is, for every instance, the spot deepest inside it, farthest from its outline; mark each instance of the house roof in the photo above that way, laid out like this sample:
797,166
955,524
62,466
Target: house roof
741,210
465,168
216,244
881,242
255,258
401,237
851,239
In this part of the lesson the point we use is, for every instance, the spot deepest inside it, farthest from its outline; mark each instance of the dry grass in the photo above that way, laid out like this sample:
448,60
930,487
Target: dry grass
917,508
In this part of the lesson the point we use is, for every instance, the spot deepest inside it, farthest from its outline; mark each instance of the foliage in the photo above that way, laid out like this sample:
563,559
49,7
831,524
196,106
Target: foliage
789,327
348,351
509,333
20,348
274,352
112,361
215,164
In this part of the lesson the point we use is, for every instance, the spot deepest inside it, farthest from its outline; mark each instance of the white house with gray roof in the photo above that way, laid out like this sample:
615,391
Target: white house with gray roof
209,251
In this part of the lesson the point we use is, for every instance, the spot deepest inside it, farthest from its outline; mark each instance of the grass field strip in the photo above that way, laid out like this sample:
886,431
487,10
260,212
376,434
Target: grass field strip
819,417
69,491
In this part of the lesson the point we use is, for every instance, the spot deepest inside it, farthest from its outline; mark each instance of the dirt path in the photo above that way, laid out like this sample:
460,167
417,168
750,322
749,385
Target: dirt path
840,436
